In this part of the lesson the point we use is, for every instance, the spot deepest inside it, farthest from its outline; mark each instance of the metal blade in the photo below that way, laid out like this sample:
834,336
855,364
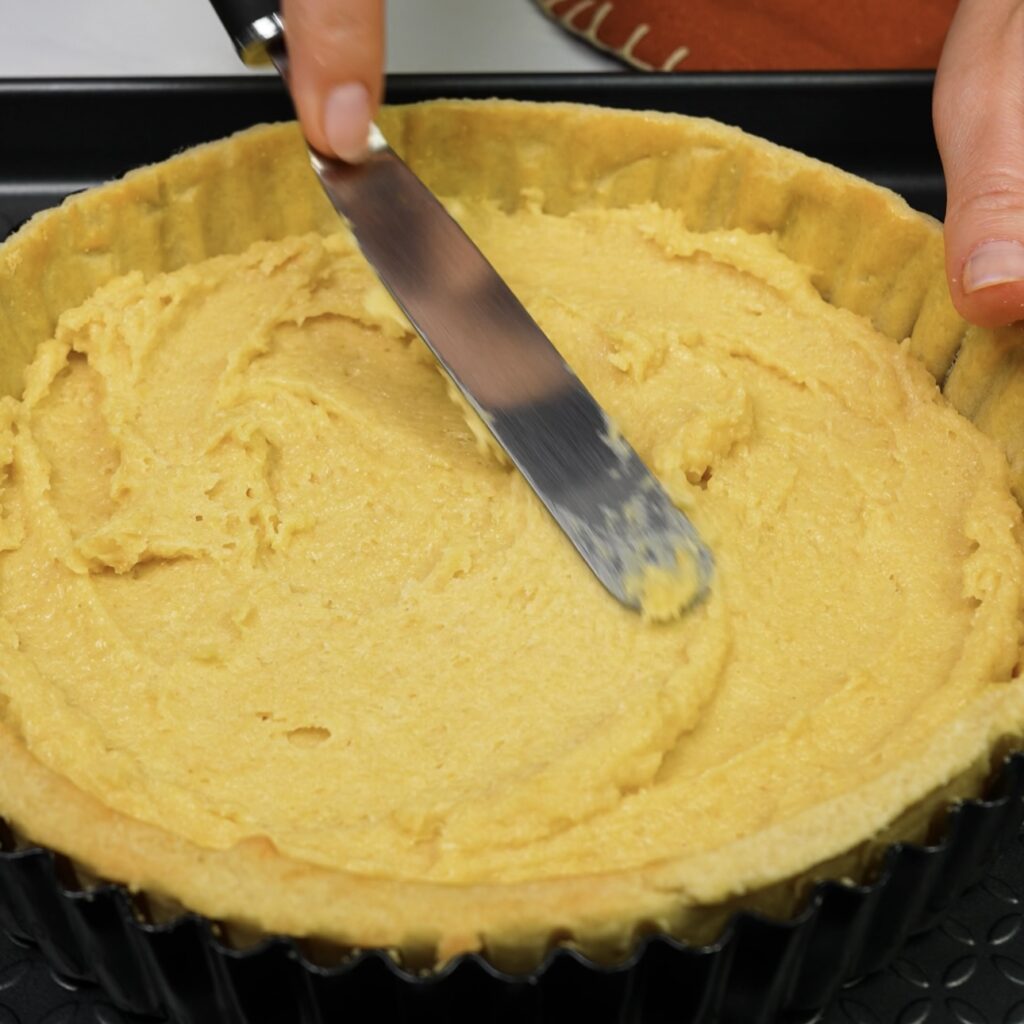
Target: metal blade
602,496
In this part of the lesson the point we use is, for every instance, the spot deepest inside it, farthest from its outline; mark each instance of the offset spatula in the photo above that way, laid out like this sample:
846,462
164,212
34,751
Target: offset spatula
639,545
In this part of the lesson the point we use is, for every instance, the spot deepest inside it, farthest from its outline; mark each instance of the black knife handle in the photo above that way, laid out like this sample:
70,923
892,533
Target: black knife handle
251,24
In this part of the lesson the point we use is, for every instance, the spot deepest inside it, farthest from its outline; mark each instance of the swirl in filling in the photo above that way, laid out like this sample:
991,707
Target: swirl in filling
260,576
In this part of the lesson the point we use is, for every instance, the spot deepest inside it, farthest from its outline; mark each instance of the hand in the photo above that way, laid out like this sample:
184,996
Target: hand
979,125
336,61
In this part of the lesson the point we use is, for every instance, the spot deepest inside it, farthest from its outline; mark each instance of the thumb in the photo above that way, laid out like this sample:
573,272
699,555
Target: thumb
336,58
979,125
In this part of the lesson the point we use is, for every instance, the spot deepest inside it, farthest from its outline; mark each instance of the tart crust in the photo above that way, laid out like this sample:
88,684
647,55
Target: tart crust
868,253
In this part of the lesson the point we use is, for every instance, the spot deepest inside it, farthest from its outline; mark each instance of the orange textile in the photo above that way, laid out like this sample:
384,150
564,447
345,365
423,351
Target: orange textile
761,35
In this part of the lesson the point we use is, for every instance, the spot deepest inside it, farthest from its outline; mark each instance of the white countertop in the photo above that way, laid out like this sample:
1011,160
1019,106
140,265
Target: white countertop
97,38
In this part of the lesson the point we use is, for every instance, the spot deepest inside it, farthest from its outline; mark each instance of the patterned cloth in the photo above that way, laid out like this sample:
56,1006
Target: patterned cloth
761,35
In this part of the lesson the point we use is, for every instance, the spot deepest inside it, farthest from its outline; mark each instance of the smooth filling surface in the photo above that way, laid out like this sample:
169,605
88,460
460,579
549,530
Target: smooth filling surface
260,576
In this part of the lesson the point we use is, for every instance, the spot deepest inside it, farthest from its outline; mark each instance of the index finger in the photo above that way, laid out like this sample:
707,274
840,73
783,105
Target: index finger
336,60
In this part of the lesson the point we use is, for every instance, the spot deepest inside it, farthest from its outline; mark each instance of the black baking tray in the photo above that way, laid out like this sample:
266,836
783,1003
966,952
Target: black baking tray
60,136
57,137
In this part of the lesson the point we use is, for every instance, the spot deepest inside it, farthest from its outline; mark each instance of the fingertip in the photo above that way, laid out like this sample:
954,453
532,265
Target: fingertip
987,285
307,106
336,70
997,308
996,262
347,115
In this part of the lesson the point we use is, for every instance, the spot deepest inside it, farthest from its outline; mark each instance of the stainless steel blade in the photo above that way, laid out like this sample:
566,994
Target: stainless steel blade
595,486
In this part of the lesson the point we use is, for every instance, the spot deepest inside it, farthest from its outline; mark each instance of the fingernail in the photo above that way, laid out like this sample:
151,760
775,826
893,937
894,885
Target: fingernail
992,263
347,120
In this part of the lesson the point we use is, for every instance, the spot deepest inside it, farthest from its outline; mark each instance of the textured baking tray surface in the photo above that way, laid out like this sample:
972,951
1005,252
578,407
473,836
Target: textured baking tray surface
970,970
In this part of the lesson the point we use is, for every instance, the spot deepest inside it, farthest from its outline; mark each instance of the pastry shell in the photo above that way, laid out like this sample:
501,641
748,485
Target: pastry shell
869,253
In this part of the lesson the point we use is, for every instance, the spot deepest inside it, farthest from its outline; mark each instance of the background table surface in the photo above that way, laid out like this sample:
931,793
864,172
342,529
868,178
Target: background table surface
100,38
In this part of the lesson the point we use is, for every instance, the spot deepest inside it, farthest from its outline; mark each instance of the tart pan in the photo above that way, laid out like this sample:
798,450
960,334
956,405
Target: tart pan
758,970
185,970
